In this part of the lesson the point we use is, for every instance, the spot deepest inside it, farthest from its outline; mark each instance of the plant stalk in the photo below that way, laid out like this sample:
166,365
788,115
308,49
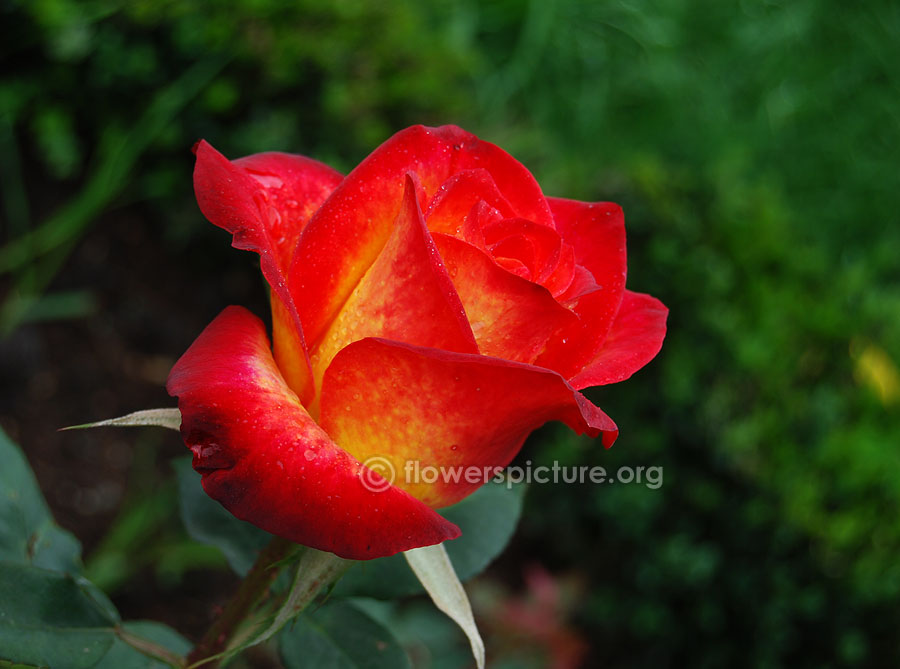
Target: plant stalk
255,585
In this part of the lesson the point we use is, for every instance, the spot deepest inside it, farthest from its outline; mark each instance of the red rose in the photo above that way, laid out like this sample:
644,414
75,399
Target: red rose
431,306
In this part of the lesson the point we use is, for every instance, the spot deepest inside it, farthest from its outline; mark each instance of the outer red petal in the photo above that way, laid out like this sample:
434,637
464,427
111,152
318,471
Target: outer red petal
348,232
296,186
265,200
635,338
439,409
596,232
511,317
406,295
266,461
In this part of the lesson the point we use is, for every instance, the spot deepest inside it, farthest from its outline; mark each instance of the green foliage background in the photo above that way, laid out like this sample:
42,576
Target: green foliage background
755,148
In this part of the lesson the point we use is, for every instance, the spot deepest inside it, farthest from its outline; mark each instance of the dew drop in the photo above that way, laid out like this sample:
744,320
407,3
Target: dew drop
309,454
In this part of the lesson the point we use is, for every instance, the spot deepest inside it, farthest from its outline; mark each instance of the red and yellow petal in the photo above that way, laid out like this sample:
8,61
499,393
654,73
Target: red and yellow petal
468,413
264,201
596,233
347,234
266,461
511,317
634,340
406,295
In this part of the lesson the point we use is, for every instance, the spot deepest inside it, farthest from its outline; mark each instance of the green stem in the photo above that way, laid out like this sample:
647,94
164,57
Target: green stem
315,570
150,648
257,583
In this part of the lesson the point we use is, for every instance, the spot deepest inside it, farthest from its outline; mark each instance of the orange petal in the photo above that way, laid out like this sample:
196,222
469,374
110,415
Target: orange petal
406,295
511,317
428,408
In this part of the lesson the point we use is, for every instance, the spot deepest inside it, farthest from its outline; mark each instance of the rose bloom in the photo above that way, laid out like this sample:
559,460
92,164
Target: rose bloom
431,306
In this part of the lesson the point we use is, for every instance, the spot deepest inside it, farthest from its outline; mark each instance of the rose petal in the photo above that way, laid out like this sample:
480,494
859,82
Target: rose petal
406,295
634,340
596,233
514,266
538,246
348,232
453,202
428,408
511,317
560,280
266,461
296,187
264,201
582,283
480,215
518,248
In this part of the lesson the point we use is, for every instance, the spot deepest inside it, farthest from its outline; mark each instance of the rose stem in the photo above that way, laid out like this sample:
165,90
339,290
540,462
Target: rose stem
251,590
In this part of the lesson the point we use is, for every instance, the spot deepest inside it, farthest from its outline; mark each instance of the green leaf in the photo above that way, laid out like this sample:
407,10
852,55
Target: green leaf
487,518
28,534
340,636
122,655
59,620
52,619
208,522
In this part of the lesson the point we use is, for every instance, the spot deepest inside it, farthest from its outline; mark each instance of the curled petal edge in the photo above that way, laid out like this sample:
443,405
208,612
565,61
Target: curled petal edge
265,460
634,339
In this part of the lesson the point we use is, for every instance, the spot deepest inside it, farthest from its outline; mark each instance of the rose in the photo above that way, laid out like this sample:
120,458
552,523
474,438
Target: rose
432,306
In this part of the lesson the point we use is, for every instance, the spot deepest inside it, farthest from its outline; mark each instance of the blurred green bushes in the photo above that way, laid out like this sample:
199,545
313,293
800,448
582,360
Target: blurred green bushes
100,102
754,146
